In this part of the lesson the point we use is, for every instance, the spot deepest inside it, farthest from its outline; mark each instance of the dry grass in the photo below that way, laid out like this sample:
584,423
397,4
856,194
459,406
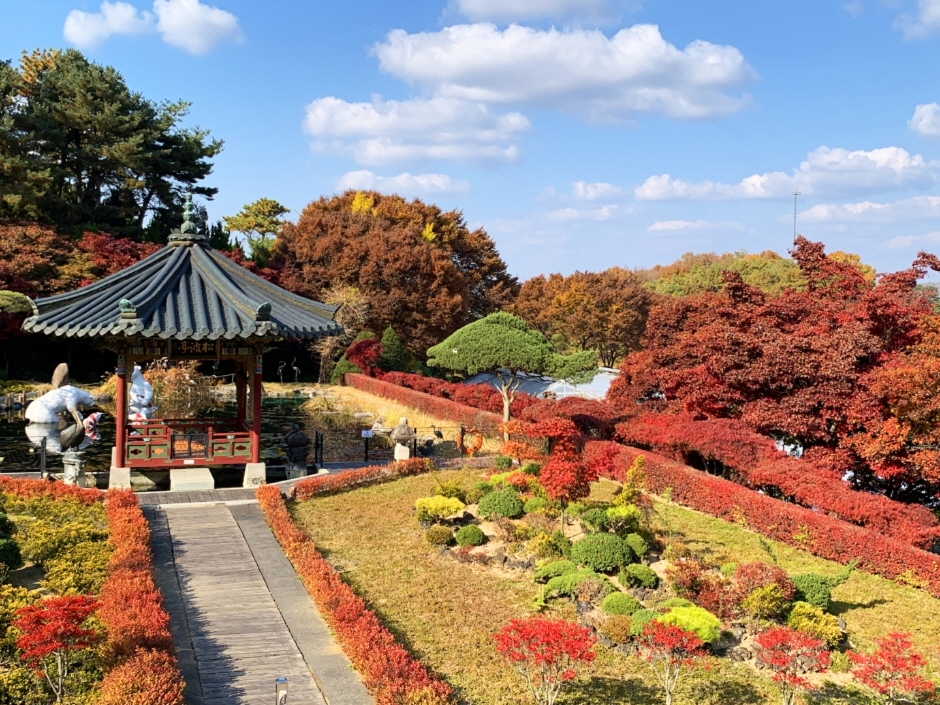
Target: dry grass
446,612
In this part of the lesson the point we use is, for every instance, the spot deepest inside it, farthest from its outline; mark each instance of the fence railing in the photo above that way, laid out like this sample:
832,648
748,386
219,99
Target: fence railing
19,456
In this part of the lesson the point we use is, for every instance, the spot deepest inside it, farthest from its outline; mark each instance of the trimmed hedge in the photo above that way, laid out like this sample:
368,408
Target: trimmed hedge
638,575
351,479
501,503
620,603
470,535
390,673
788,523
601,552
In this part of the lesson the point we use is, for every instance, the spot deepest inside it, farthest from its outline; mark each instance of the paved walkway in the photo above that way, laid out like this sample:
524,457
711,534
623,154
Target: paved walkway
240,615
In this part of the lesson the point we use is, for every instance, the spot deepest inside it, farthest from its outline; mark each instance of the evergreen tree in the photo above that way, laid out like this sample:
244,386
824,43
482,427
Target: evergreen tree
394,358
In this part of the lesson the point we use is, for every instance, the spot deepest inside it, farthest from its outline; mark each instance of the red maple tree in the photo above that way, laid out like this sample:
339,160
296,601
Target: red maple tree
789,655
894,671
545,652
365,355
671,651
50,632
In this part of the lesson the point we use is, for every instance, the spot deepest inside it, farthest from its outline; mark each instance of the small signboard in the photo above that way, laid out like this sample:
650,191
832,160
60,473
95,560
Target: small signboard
367,433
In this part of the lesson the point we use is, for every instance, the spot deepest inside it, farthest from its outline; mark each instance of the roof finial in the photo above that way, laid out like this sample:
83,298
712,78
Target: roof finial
188,225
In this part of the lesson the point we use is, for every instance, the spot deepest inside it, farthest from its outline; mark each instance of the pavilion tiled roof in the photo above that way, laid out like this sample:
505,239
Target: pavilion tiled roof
185,291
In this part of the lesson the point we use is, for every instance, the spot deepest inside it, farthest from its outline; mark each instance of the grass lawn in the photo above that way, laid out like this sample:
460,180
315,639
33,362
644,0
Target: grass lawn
445,612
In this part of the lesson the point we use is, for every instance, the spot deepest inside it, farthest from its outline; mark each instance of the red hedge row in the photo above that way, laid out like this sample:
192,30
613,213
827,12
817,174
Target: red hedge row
479,396
138,644
755,462
390,673
438,407
31,489
788,523
330,484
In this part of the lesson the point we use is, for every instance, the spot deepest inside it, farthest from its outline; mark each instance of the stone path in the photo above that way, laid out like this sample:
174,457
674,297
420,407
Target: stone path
240,615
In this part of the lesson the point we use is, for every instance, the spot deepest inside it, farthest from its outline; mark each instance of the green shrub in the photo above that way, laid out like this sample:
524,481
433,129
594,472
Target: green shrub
502,462
439,536
567,584
542,546
765,602
561,543
501,503
4,523
43,540
638,575
450,488
470,535
620,603
817,589
576,509
535,504
601,552
639,619
553,569
728,569
484,487
637,544
624,520
617,628
532,469
839,662
437,508
594,520
342,367
811,620
674,602
700,622
79,570
473,495
10,553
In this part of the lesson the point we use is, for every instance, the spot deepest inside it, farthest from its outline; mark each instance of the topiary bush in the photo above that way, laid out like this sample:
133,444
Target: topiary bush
470,535
601,552
437,508
501,503
811,620
766,602
674,602
439,536
620,603
567,585
700,622
10,553
639,620
637,544
535,504
617,628
624,520
594,520
638,575
817,589
553,569
502,462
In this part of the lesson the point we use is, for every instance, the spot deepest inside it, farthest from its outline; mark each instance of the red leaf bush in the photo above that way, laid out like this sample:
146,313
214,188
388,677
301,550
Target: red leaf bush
435,406
479,396
789,655
331,484
894,671
788,523
131,611
755,462
365,355
32,489
546,652
390,673
671,651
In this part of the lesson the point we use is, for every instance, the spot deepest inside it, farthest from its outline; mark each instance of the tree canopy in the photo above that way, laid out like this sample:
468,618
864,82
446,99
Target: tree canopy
259,222
507,347
80,149
420,270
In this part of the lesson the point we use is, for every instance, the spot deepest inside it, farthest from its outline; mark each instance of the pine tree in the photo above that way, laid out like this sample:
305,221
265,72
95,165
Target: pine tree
394,358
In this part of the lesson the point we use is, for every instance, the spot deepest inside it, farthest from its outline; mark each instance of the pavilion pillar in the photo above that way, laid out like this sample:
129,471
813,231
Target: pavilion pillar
241,392
120,476
256,412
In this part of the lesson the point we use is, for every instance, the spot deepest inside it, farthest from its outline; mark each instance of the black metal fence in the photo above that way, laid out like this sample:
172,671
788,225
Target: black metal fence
19,456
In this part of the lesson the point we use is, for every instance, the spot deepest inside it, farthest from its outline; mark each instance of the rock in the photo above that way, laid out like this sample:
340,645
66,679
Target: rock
740,653
604,641
626,649
842,624
500,555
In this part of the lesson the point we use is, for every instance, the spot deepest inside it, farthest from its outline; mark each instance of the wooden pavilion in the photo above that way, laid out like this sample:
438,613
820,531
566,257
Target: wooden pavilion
186,302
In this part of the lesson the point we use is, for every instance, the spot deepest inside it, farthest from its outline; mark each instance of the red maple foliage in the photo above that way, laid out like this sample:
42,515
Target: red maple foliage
365,355
566,480
479,396
789,655
792,367
671,651
546,652
50,632
109,255
894,671
750,576
148,677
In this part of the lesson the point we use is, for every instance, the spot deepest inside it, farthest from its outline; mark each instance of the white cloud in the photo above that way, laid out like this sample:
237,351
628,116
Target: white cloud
194,27
924,23
187,24
402,184
584,191
520,10
391,131
582,71
824,172
569,214
88,30
674,225
926,120
905,210
854,7
903,242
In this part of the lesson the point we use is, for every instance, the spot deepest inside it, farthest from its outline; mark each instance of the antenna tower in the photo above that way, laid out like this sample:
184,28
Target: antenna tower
796,194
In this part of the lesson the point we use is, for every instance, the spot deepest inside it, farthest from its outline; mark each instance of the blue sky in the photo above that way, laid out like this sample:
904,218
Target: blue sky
581,134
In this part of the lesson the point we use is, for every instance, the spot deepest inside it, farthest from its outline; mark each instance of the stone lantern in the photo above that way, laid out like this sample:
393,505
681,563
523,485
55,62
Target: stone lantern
403,436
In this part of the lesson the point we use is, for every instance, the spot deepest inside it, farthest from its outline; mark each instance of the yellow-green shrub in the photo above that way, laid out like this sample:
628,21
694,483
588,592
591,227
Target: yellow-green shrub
700,622
436,508
811,620
766,602
78,570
